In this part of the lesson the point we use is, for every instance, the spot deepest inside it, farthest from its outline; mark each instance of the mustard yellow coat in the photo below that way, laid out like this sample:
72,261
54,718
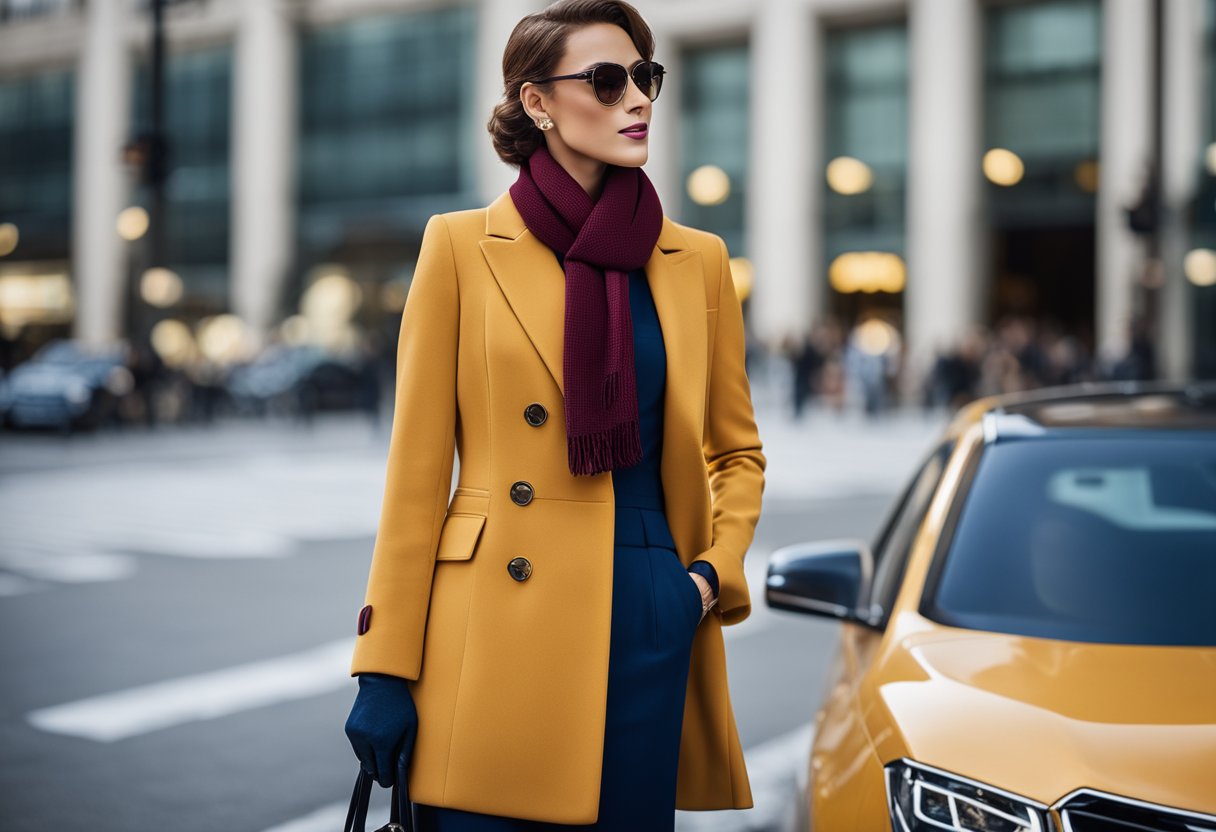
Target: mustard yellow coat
510,677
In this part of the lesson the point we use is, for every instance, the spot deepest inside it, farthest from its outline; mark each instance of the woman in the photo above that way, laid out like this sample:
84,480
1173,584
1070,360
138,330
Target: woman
540,648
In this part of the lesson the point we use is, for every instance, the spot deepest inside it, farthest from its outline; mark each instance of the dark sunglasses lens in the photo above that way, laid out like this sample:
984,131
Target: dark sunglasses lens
649,78
609,81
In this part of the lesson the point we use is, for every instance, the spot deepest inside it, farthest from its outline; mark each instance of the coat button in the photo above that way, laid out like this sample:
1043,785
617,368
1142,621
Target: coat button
521,493
536,414
520,568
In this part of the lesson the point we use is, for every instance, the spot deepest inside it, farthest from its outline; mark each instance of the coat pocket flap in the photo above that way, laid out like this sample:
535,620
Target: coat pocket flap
459,536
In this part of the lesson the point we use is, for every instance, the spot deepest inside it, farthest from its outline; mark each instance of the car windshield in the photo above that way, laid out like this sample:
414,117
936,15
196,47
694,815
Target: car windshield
1100,539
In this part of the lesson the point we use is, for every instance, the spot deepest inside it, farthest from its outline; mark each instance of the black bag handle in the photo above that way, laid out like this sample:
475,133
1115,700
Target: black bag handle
401,815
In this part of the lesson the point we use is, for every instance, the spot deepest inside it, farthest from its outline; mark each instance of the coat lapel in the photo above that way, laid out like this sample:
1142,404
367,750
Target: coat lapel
532,281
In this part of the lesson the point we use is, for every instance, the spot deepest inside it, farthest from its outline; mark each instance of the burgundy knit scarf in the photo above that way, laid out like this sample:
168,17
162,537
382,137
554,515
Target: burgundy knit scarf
602,241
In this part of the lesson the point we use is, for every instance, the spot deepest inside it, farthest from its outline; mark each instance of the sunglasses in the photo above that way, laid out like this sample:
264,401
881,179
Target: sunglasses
609,81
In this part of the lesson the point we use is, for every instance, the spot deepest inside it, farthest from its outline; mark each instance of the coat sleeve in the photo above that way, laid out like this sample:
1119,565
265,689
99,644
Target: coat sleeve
418,478
733,453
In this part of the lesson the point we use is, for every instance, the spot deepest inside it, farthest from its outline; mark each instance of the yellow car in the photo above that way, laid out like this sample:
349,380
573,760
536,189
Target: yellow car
1030,642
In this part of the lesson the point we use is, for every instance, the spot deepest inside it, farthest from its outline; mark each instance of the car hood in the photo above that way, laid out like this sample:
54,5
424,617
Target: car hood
1043,718
31,379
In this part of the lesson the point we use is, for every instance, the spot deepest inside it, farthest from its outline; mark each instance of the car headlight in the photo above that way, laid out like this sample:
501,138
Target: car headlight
921,798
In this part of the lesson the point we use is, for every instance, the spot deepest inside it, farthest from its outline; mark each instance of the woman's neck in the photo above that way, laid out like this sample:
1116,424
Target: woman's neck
587,171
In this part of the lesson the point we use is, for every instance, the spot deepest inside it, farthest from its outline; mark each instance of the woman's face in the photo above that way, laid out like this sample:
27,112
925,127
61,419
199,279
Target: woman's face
586,135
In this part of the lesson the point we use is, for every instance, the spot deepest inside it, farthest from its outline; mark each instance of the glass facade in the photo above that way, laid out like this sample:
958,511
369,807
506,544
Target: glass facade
11,10
864,183
198,105
386,135
1042,96
714,122
36,115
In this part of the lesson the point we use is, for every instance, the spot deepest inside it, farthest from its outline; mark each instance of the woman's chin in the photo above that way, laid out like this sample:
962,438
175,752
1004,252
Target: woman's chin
633,158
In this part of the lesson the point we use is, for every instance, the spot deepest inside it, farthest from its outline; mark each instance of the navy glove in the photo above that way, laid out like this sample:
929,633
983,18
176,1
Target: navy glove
706,570
383,724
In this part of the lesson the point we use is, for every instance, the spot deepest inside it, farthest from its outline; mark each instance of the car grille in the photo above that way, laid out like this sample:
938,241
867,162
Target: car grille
1088,811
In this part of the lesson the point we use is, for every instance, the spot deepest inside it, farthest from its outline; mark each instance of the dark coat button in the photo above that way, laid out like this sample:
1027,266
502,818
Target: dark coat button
536,414
365,619
520,568
521,493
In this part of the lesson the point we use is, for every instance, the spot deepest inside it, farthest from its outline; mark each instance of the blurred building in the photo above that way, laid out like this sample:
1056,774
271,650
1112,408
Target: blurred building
935,163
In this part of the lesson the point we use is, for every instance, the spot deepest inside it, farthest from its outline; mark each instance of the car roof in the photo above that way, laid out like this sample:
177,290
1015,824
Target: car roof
1135,406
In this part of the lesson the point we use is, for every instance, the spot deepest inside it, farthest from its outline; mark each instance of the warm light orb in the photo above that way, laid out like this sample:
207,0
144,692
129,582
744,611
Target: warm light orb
867,271
708,185
330,303
132,223
1003,167
742,274
875,336
1209,157
160,287
173,342
1085,174
332,297
1200,266
223,338
8,238
849,176
36,297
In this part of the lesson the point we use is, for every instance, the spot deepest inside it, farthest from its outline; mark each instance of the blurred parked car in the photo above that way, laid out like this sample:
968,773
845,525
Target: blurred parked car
64,386
296,379
1030,642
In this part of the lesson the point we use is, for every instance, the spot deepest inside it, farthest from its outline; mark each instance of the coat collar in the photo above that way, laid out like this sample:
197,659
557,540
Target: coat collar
532,282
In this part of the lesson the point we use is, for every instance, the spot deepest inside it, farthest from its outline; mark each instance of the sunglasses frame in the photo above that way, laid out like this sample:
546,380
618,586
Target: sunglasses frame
588,75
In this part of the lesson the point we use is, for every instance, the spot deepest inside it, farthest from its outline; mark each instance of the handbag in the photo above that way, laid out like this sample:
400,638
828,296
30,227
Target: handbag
401,814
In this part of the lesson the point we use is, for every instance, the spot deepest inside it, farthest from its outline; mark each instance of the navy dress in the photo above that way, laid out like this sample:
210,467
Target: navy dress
656,607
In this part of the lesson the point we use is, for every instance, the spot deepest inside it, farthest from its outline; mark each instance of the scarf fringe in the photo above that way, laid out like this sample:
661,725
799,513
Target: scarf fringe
617,447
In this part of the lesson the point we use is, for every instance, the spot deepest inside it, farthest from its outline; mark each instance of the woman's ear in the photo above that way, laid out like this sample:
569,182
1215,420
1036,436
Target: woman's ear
533,101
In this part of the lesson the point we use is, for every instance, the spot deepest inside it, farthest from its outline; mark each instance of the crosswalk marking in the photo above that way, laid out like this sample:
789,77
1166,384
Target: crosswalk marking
128,713
122,714
326,819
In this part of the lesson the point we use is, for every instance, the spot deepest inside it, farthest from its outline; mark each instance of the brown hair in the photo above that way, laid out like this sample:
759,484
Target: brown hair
535,47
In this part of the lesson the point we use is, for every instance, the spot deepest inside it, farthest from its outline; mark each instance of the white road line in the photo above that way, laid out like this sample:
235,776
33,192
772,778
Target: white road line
129,713
772,770
43,563
326,819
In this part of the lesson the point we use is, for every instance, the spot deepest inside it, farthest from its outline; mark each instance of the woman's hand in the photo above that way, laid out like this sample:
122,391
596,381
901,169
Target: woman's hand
707,592
382,725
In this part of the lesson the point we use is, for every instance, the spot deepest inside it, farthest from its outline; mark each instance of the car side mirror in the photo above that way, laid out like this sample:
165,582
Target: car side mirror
827,578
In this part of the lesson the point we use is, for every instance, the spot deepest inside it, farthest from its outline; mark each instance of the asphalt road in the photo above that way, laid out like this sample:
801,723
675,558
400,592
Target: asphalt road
176,619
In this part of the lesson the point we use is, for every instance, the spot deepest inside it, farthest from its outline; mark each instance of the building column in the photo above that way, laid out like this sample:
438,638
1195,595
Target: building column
1183,146
663,163
496,20
947,280
99,177
1126,136
784,236
263,163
